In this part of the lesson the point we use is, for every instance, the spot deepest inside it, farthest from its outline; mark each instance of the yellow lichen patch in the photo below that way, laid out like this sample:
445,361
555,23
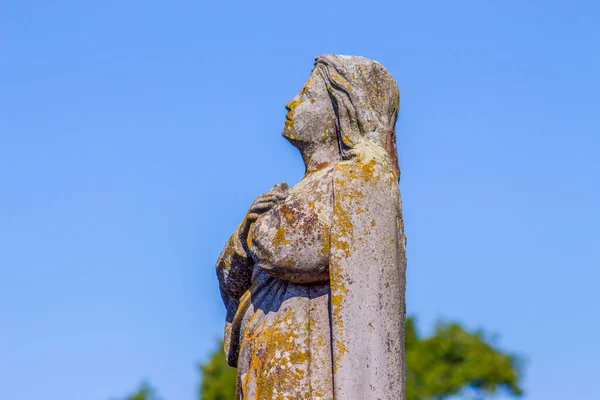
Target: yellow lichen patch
342,246
280,237
288,262
343,222
279,361
249,241
338,325
295,102
341,349
326,245
368,170
291,106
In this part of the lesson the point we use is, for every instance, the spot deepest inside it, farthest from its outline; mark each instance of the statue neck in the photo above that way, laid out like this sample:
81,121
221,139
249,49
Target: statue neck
319,157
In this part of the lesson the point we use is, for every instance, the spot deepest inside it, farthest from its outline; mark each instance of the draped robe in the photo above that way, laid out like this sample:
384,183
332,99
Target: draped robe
315,293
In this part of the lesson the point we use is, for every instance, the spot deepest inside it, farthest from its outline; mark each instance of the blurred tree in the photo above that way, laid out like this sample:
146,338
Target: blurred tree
145,392
456,362
218,378
451,362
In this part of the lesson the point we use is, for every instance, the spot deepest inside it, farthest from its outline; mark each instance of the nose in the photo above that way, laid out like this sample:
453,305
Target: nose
293,103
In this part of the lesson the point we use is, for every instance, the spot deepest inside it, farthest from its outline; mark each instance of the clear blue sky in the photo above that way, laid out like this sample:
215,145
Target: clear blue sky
135,134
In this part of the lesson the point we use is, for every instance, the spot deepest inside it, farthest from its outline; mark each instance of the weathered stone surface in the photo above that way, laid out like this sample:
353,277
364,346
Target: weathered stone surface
313,279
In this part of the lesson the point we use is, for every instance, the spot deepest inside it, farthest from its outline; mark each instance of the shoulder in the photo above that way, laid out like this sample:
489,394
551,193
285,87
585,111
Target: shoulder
320,180
363,171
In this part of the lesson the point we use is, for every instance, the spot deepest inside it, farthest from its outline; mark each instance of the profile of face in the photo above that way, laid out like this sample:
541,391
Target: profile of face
310,120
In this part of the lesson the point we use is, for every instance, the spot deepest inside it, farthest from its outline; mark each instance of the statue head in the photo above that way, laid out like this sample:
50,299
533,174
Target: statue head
348,102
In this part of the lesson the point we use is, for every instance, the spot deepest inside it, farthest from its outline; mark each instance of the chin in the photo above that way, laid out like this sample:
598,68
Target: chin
288,134
290,137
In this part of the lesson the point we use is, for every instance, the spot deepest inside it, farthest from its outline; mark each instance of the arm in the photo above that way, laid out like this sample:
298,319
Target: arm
234,270
292,242
234,266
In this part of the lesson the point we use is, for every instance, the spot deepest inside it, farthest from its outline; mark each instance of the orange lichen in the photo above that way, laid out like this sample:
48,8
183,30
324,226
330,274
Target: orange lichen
280,237
368,170
279,360
321,165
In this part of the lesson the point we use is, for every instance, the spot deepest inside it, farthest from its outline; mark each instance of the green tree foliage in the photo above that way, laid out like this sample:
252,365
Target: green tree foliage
454,362
218,378
451,362
145,392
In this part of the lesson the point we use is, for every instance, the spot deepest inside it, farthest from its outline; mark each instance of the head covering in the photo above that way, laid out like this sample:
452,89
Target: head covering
367,264
366,100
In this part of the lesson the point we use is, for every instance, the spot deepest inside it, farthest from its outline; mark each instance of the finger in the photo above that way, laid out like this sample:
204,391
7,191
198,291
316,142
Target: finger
261,207
279,189
251,217
265,201
269,198
275,195
280,195
281,186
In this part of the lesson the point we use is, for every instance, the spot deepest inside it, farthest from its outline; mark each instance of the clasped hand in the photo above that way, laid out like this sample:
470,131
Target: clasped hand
261,205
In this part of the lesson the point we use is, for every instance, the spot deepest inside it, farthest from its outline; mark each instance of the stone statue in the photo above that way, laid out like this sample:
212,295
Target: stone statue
313,278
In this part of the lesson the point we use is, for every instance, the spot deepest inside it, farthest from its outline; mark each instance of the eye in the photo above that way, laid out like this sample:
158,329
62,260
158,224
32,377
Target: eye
306,92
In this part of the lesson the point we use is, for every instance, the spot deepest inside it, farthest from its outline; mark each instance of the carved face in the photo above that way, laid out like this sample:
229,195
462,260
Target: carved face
310,119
